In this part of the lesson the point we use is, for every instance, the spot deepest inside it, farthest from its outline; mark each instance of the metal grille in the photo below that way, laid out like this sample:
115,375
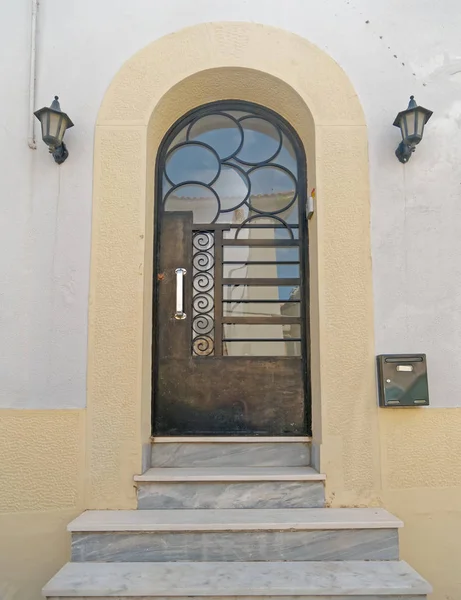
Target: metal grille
203,318
237,172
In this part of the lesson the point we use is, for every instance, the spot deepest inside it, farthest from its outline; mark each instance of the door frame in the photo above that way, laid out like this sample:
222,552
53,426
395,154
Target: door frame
153,88
302,181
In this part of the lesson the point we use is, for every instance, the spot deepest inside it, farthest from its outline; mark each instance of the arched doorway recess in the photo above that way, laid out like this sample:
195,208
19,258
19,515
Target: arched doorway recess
152,90
232,249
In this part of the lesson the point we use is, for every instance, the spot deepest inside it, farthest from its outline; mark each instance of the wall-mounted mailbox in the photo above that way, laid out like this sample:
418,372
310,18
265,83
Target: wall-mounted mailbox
402,380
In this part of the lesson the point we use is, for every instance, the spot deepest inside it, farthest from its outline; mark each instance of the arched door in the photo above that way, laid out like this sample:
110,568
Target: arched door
231,285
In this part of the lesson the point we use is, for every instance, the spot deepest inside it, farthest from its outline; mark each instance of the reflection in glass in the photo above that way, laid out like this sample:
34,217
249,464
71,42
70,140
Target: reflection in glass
268,229
199,199
287,156
232,187
238,156
266,254
261,309
273,189
255,293
262,340
192,162
248,337
180,138
266,331
221,132
261,270
283,348
261,141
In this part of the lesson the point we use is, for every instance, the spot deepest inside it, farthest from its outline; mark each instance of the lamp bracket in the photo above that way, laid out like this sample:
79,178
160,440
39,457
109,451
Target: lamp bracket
60,153
404,152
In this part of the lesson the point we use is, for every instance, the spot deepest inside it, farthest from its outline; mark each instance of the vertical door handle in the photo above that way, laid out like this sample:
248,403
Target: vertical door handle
180,314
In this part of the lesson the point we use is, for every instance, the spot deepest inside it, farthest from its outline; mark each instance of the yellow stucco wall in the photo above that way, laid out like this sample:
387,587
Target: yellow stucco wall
42,479
421,484
55,463
41,490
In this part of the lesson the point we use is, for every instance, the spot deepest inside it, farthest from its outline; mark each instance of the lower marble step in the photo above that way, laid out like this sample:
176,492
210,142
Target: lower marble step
230,453
261,487
366,544
235,535
361,580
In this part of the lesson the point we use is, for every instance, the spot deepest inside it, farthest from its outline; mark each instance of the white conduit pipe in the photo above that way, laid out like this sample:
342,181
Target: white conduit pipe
33,34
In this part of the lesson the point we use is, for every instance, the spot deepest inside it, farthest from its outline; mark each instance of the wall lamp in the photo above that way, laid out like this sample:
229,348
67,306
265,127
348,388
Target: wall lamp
54,124
411,123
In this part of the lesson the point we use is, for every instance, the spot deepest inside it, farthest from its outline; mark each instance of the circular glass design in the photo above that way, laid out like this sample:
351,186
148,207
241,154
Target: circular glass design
273,189
232,187
221,132
228,165
192,162
287,156
200,199
261,141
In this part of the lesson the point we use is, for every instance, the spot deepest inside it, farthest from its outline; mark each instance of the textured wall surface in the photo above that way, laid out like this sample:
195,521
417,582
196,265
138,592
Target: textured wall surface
406,460
41,490
421,484
45,220
41,457
421,449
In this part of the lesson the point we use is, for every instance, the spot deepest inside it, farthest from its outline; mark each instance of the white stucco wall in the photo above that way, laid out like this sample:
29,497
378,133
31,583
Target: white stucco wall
388,49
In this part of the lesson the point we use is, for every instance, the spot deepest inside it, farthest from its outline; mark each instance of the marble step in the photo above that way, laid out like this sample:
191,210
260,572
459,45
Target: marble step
235,535
248,453
230,487
230,474
325,580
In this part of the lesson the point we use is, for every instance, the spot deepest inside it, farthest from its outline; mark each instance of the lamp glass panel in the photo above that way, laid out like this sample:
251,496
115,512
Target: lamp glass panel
410,119
44,121
421,118
55,120
62,128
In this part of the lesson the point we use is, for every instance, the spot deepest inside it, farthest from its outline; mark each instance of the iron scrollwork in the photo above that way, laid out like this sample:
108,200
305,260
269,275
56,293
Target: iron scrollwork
203,293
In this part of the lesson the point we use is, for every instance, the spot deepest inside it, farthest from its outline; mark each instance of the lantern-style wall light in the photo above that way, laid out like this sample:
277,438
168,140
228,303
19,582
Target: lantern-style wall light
411,123
54,124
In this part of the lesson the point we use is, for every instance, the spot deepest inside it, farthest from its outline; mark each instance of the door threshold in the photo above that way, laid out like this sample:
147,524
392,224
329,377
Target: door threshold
230,439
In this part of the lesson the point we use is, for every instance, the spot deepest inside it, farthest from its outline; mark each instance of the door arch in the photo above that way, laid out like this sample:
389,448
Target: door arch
152,89
231,229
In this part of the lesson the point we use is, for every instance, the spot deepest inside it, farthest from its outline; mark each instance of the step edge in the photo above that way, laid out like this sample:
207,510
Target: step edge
51,590
393,594
217,478
231,440
165,474
373,521
234,528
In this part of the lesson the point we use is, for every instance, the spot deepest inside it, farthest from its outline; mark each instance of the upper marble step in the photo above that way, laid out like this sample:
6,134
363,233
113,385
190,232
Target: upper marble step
292,519
229,474
230,453
340,579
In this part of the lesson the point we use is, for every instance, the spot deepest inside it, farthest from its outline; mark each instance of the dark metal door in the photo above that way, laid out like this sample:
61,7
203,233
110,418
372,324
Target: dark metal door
231,350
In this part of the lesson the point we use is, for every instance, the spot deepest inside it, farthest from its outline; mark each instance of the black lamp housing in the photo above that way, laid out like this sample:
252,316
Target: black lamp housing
411,123
54,124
